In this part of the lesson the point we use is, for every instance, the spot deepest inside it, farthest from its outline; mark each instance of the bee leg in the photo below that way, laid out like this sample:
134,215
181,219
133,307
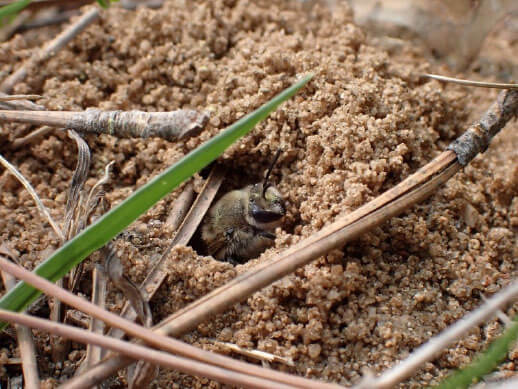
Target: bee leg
230,251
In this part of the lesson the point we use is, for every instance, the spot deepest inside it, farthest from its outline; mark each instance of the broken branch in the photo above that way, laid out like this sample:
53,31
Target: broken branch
478,136
168,125
50,49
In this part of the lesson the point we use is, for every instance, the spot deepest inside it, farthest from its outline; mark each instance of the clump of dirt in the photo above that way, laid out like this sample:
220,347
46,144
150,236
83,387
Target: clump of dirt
365,122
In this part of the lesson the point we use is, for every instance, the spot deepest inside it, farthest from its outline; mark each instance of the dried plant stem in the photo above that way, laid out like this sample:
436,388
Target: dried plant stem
392,202
7,30
48,20
34,135
143,353
477,137
155,339
34,195
20,104
37,4
18,97
26,345
198,210
430,349
481,84
59,346
256,354
93,353
180,207
50,49
182,236
115,271
168,125
485,362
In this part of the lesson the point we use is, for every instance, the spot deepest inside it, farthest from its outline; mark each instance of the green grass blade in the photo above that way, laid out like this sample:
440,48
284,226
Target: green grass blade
10,10
485,362
116,220
106,3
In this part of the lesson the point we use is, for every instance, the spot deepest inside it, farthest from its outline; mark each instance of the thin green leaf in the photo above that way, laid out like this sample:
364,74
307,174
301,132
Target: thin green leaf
485,362
13,9
106,3
108,226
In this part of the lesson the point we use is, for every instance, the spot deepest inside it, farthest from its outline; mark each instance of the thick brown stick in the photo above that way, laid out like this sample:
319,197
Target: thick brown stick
50,49
478,136
126,124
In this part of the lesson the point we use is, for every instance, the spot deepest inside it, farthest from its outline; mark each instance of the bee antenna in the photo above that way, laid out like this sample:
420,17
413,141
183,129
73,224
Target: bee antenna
266,184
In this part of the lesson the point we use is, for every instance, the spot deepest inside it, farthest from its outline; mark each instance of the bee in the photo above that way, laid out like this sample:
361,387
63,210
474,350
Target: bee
239,225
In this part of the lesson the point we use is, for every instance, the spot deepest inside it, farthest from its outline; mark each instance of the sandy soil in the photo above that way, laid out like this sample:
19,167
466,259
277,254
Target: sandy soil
365,122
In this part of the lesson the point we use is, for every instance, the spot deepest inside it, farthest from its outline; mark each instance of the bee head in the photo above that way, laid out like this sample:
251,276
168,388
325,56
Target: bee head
266,205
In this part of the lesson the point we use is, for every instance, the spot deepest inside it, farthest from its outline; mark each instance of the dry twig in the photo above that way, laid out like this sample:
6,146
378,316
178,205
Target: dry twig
182,236
34,135
140,352
481,84
93,353
180,207
37,4
392,202
26,344
115,271
126,124
50,49
478,136
44,20
20,104
26,184
430,349
256,354
155,339
18,97
506,320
